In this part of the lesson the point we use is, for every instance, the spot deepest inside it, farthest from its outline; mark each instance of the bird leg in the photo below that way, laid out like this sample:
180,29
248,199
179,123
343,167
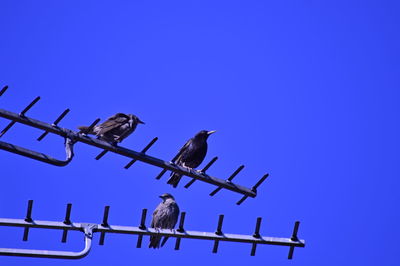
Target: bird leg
187,167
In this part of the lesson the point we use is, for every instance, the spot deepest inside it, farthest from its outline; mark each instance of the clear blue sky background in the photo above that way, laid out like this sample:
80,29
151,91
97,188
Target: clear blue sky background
304,90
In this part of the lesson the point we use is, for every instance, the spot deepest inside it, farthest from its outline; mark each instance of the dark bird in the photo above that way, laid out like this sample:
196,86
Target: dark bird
115,128
165,216
191,154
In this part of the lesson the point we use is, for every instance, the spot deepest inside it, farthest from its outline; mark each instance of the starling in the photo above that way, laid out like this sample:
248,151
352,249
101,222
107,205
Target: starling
191,155
165,216
115,128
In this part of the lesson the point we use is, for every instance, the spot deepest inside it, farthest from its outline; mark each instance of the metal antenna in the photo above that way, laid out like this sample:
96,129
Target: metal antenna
88,229
72,137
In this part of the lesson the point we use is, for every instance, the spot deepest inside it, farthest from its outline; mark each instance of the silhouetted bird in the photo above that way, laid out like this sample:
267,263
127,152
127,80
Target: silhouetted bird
115,128
165,216
191,155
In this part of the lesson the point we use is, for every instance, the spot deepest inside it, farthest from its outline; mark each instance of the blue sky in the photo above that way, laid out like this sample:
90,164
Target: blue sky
304,90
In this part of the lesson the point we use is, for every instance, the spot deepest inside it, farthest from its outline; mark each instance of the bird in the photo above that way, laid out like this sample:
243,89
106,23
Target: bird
165,216
115,128
191,154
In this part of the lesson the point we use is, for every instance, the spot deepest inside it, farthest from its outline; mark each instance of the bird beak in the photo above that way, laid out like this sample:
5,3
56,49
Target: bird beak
211,132
160,196
140,121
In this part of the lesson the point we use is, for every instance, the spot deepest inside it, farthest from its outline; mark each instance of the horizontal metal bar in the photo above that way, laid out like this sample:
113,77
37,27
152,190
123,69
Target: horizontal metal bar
128,153
132,230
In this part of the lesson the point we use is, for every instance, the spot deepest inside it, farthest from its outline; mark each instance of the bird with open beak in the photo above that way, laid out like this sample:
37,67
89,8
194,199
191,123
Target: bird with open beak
165,216
115,128
191,155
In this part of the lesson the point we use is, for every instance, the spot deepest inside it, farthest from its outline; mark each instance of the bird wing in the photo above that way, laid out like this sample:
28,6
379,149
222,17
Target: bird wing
113,122
182,151
154,220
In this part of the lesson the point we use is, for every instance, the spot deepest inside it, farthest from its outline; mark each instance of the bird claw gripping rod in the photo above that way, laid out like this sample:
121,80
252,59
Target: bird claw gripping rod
72,137
88,229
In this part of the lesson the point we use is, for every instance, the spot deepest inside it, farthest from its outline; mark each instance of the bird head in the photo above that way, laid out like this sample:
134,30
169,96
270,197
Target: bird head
166,196
136,119
204,134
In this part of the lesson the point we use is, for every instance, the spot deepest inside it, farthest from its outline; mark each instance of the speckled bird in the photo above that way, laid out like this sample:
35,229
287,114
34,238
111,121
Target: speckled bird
191,155
116,128
165,216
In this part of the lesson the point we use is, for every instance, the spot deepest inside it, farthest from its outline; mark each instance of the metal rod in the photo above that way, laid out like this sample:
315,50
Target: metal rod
258,225
54,124
172,161
128,153
7,128
241,200
177,243
202,171
215,248
101,154
139,241
3,90
293,238
256,235
67,220
254,189
181,222
104,224
161,174
218,232
20,114
228,180
28,219
142,226
143,151
180,230
219,227
29,106
90,127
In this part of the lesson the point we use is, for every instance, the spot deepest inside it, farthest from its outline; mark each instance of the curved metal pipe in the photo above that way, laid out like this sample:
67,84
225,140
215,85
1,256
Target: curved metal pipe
41,156
37,253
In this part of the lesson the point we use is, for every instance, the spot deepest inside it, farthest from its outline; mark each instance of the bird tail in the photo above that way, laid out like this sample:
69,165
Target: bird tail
154,242
85,128
174,179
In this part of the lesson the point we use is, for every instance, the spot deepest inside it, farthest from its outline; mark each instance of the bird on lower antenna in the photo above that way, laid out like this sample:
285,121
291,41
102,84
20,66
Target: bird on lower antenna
191,155
165,216
115,128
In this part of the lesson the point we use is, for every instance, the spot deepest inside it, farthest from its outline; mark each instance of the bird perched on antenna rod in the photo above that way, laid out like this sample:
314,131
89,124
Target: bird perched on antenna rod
115,128
165,216
191,155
